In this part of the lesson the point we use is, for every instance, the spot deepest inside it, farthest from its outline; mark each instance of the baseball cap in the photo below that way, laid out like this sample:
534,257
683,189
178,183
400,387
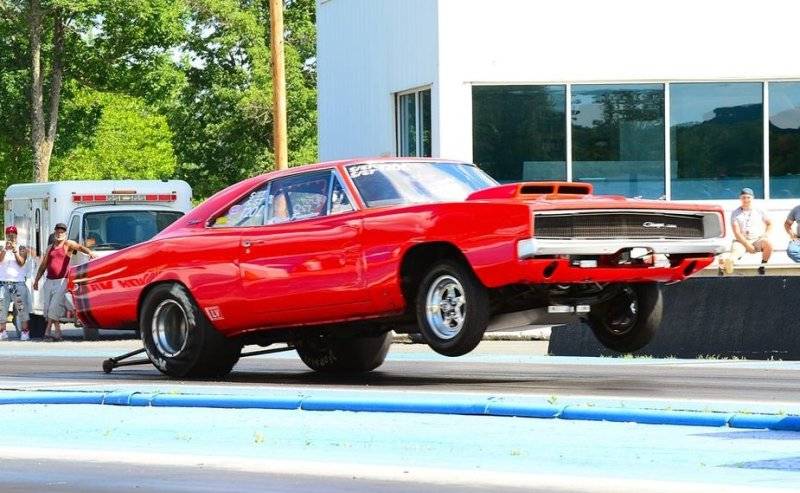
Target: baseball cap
61,226
11,230
747,191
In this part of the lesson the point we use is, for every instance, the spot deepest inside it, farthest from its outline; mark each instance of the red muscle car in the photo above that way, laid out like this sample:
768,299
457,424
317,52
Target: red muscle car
331,257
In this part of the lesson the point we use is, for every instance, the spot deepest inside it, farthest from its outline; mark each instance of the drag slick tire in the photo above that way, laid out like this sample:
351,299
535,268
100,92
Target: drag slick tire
452,308
178,338
629,320
327,354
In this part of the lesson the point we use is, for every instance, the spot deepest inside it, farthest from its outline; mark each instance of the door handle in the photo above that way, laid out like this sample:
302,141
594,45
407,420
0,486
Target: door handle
249,243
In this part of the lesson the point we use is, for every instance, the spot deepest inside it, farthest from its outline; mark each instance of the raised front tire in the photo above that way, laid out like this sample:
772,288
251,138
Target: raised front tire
628,321
178,338
452,308
327,354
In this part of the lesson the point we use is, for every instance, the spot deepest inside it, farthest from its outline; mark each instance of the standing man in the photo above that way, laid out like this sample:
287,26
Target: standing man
56,262
751,228
12,284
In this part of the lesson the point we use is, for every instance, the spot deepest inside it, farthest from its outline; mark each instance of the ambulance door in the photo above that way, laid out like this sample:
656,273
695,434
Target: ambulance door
74,233
38,247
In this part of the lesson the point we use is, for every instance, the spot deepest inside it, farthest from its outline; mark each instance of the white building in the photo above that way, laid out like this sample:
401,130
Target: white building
682,100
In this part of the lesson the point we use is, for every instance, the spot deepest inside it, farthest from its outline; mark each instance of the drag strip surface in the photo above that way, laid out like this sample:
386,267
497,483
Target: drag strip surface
496,367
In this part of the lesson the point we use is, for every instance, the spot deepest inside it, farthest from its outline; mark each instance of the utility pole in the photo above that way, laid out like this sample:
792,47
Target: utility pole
278,84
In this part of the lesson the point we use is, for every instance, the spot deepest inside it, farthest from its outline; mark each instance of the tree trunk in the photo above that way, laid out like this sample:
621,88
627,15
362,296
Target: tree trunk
43,135
40,170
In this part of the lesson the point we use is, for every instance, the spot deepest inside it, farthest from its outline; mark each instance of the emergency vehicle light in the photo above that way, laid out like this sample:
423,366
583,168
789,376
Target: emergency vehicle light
125,196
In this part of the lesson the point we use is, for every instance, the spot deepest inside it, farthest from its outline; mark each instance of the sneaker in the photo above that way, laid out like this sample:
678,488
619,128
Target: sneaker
4,335
762,270
25,336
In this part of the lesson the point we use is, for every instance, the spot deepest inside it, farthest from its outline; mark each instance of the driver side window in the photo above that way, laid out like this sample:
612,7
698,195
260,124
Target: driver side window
249,211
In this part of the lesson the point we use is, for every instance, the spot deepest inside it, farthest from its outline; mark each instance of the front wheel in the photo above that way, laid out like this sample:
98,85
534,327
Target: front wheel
629,320
452,309
179,339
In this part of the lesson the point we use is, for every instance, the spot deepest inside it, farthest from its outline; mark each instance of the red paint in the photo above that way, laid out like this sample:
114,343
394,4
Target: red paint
344,266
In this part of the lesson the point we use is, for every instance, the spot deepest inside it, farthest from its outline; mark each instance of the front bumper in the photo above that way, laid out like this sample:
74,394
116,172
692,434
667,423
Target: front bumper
534,247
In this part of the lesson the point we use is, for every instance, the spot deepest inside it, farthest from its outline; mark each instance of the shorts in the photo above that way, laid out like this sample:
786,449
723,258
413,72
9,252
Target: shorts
793,250
16,292
738,250
53,297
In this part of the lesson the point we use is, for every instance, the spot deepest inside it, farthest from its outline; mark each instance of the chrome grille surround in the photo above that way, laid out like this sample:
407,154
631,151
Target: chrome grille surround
627,223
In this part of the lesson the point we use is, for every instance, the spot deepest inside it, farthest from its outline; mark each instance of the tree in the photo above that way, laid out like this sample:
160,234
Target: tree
100,43
130,139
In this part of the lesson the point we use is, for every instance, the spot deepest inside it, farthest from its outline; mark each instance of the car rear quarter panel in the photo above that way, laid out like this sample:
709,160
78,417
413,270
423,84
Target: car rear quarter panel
485,232
203,263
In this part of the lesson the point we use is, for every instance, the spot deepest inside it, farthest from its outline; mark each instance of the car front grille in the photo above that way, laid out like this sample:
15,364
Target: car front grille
620,224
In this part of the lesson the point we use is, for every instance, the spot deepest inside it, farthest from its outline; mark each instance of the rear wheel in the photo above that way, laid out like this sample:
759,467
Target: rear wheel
178,338
327,354
628,321
452,308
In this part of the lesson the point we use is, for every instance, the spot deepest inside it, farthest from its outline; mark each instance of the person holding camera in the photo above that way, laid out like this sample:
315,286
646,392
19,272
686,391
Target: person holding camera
12,283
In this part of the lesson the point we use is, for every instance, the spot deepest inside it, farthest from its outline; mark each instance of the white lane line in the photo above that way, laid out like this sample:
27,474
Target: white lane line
398,473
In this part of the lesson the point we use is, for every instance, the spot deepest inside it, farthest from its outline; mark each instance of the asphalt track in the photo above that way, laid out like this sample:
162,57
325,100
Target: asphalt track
400,451
495,367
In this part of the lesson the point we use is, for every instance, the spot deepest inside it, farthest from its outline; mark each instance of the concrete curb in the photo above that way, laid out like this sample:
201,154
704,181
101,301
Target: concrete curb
475,406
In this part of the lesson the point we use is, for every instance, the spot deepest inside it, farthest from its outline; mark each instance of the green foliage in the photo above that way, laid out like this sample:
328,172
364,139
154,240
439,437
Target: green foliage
160,88
130,140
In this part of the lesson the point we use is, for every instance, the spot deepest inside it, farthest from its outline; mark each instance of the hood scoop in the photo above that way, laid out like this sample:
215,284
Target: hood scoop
535,190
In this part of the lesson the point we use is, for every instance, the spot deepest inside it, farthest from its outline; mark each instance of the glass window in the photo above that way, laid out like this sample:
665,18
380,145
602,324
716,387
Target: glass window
249,211
393,183
74,229
519,132
716,139
340,202
408,124
414,124
784,139
298,197
425,120
119,229
618,138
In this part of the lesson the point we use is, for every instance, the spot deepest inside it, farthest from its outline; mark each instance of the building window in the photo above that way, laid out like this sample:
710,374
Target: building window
618,138
717,139
414,123
784,139
519,132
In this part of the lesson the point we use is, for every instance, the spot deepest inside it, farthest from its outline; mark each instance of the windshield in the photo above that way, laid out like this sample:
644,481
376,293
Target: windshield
392,183
114,230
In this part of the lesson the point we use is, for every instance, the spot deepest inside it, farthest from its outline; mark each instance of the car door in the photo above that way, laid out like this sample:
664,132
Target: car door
304,265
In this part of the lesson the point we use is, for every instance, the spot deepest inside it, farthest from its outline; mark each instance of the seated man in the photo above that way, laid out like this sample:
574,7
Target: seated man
793,249
751,227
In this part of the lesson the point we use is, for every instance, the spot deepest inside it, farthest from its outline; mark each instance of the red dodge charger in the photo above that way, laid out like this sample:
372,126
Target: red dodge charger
331,257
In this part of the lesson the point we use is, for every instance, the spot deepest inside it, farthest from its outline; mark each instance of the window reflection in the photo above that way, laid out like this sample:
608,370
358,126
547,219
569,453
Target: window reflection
784,139
618,138
716,139
519,132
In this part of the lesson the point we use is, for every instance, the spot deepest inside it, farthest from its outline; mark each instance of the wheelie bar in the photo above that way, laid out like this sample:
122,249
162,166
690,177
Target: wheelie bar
116,362
112,363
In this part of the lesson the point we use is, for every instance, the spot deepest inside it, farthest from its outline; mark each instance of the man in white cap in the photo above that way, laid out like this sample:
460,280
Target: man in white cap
751,227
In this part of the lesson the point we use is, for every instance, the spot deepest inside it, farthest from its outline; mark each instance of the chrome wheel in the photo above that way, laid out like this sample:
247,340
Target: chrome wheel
445,307
170,328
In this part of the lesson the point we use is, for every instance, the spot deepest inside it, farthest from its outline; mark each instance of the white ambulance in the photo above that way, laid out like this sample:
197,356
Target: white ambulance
104,215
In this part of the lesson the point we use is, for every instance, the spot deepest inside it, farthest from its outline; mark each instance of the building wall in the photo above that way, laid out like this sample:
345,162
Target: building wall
368,50
524,41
